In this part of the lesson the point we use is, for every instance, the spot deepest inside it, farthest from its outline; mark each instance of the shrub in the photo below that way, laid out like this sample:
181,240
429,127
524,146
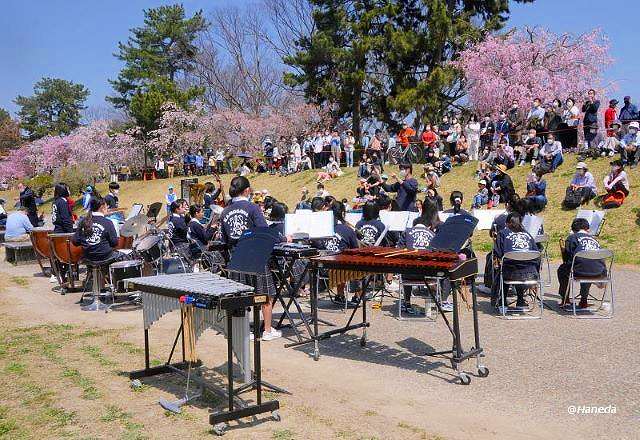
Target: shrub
77,177
40,183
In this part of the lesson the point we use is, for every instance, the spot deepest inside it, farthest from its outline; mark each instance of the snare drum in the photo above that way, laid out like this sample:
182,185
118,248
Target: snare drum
150,248
122,270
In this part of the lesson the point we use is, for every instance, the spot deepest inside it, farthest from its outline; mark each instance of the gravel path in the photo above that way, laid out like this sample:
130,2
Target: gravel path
538,369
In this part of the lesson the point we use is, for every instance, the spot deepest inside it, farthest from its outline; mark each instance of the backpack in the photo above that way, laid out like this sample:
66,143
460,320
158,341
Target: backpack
613,200
572,199
543,168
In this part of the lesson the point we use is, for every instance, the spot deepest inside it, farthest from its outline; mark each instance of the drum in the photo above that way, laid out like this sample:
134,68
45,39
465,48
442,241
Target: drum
124,242
122,270
40,241
173,266
64,252
150,248
63,249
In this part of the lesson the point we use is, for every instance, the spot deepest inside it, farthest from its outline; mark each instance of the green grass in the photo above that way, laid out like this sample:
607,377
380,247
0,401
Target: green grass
283,434
20,281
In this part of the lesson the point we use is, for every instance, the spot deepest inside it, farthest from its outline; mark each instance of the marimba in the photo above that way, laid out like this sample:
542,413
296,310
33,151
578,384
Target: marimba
206,300
355,264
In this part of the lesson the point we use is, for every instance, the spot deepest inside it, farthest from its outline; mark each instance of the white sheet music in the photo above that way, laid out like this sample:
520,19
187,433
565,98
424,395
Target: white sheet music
532,224
136,209
485,217
316,224
595,219
353,217
394,220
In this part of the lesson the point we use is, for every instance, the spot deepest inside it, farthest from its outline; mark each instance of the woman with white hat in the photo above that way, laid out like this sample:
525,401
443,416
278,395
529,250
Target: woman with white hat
630,153
584,183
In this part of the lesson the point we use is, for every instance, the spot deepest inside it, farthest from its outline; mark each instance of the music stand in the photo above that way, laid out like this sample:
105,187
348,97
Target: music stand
454,233
248,261
153,210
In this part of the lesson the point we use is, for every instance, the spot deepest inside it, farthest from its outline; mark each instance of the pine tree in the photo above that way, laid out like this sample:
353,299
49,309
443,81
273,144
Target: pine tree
156,57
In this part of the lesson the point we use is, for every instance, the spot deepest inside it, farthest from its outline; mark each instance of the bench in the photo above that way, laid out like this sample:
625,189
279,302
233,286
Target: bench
19,252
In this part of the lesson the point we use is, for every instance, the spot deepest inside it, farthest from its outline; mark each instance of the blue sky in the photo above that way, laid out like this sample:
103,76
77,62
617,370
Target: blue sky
75,39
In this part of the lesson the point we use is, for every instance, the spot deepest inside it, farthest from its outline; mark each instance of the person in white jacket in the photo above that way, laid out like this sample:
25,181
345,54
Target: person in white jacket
472,132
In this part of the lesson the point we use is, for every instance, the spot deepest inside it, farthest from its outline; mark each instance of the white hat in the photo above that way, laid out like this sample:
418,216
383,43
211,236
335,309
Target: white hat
581,166
635,125
482,182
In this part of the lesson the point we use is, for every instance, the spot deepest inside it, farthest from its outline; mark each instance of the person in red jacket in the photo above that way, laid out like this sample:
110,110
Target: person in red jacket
429,138
405,135
610,115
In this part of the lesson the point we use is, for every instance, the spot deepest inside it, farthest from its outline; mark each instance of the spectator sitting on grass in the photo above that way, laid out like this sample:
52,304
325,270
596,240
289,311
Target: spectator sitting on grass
551,154
482,196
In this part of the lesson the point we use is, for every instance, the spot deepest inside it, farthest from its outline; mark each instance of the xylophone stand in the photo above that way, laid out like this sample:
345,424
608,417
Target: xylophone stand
284,273
457,352
317,336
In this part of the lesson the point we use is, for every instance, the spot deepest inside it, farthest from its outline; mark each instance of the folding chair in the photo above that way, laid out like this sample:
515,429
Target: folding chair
607,280
544,241
530,285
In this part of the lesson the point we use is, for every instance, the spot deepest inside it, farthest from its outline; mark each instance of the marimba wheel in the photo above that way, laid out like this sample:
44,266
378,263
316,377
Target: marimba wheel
276,415
219,429
465,379
483,371
316,355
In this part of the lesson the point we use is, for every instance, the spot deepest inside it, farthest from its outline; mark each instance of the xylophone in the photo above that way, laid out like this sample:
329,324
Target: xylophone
206,301
354,264
442,264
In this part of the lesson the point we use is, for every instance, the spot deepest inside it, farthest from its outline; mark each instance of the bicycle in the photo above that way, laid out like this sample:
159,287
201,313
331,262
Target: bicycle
413,153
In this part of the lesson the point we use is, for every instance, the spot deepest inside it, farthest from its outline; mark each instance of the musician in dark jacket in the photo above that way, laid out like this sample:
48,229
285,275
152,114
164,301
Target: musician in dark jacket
111,199
456,198
178,228
406,186
198,232
61,215
211,194
240,214
96,234
344,237
579,240
514,238
27,200
370,228
419,236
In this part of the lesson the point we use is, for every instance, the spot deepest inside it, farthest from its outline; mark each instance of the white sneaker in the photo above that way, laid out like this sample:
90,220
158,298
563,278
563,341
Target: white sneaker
273,334
53,279
446,306
393,286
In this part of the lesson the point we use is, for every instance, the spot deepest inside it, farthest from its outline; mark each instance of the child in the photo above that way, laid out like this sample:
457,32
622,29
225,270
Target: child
579,240
482,196
170,197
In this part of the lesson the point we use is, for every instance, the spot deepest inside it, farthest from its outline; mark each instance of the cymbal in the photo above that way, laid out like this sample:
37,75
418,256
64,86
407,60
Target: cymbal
134,226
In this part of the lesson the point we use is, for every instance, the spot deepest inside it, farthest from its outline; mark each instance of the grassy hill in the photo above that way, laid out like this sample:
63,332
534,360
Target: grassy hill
620,233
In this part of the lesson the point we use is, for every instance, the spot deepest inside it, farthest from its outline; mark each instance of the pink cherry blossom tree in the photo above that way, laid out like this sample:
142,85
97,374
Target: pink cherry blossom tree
532,63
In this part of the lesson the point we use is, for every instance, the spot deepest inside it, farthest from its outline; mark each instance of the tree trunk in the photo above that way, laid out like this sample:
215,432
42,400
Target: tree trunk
357,114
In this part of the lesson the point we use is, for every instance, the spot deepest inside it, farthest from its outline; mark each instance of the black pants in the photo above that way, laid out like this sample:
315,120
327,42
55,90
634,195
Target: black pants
511,276
563,280
630,157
